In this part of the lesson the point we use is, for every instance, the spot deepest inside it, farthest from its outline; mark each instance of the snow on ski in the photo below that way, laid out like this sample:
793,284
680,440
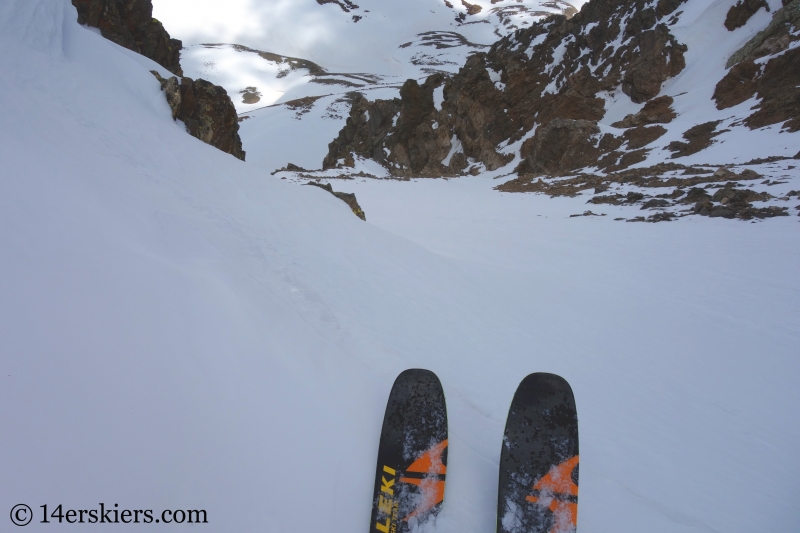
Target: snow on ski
538,489
412,457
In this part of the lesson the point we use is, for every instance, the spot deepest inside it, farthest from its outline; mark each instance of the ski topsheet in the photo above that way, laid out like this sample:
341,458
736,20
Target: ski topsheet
412,457
538,490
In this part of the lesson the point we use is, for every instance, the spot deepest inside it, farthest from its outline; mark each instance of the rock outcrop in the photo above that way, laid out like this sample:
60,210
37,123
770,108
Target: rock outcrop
210,116
740,13
472,9
537,86
364,133
347,197
561,145
735,203
656,111
401,134
206,110
130,23
767,67
697,137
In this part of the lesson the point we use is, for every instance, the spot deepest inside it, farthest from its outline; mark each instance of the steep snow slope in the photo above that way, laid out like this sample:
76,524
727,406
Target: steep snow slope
179,331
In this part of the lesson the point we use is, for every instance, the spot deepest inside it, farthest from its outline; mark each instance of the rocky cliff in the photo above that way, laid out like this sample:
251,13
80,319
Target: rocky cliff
205,108
130,23
537,96
767,67
544,80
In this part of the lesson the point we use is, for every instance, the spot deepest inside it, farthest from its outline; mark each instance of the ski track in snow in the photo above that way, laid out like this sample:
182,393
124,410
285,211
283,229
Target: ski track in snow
179,330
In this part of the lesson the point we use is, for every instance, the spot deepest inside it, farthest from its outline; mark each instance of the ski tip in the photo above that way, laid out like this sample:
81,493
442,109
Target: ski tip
417,375
534,388
539,460
545,380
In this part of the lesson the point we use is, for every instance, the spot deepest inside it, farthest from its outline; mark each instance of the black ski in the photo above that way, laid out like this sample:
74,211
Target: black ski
538,490
412,457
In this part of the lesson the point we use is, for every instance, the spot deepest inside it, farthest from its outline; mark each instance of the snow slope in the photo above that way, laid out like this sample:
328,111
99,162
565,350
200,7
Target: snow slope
180,331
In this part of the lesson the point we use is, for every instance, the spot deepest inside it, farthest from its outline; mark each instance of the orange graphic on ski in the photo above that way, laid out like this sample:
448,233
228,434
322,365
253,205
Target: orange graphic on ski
412,455
431,485
559,493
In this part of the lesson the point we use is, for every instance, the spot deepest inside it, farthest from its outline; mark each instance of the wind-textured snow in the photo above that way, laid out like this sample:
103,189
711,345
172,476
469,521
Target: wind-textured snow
180,330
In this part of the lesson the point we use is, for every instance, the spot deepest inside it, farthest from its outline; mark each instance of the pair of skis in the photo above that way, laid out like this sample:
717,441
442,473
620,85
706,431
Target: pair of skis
538,490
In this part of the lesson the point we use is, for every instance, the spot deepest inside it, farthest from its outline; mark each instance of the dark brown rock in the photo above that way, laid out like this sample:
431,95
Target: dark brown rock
418,144
739,197
708,209
738,208
666,7
677,193
560,147
250,95
774,38
733,203
209,115
775,83
609,142
206,111
633,197
779,92
658,56
617,199
478,114
347,197
364,133
740,13
739,84
644,177
696,195
664,216
655,203
642,136
130,23
697,138
472,9
627,159
656,111
588,214
610,199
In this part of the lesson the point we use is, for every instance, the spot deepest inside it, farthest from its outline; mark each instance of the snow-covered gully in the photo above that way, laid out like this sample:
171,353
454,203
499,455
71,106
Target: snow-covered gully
180,329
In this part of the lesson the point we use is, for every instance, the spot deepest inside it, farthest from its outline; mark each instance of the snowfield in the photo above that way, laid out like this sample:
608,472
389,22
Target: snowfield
181,330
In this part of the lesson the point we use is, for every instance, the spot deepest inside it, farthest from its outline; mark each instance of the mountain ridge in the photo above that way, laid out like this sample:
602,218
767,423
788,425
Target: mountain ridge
541,99
556,71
